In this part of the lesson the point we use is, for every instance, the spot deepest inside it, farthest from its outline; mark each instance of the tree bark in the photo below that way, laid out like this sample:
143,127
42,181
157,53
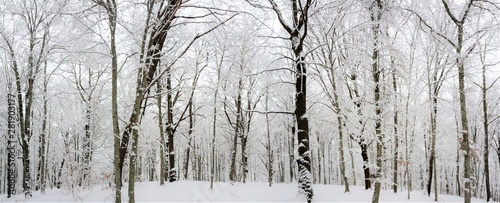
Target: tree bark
172,170
163,144
376,16
132,165
463,112
214,124
43,141
112,14
464,145
237,126
396,136
190,134
298,33
486,136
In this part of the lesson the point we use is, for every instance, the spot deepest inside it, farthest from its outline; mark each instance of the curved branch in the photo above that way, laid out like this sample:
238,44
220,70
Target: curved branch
448,11
280,16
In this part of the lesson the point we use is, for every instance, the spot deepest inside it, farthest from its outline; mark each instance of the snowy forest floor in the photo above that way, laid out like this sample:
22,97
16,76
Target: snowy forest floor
188,191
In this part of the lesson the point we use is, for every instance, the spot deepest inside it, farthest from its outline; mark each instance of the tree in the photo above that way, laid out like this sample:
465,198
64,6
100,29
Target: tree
111,9
436,75
333,62
486,122
376,10
298,33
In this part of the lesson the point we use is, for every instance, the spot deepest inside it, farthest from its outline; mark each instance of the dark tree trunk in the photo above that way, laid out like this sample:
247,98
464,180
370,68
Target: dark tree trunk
304,161
298,33
237,128
366,168
87,144
244,157
41,165
396,136
172,171
163,143
190,134
376,16
486,138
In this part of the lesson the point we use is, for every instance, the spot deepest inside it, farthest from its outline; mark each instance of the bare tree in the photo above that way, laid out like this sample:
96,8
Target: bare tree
376,11
110,6
298,32
486,121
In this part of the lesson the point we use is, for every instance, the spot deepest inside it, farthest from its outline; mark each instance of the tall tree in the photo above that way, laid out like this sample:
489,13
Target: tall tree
111,8
298,32
376,10
486,121
436,75
459,51
163,164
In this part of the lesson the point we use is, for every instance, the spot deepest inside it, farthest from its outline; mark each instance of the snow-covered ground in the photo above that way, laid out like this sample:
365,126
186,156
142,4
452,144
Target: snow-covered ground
187,191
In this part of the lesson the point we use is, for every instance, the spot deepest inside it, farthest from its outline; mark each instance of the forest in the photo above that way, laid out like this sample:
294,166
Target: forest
384,95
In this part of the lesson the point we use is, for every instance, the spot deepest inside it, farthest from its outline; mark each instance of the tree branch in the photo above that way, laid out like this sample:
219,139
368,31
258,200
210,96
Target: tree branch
280,16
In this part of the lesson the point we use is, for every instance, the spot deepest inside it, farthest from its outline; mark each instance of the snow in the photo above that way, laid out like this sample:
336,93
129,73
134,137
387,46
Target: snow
189,191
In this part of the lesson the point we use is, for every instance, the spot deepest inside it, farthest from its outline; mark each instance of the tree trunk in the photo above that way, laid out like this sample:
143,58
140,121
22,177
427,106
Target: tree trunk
112,12
340,124
244,156
465,124
87,144
353,168
464,145
396,136
432,157
190,134
172,171
304,161
407,161
270,156
42,173
486,138
376,16
298,33
152,164
163,144
366,162
237,126
214,130
291,151
132,165
355,97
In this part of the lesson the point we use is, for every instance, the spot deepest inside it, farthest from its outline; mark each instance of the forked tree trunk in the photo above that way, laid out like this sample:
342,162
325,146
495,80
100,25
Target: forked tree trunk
298,33
464,143
355,97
